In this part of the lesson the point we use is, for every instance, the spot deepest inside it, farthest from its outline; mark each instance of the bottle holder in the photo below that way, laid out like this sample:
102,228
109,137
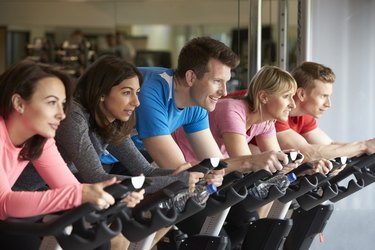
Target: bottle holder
361,170
367,176
226,196
251,203
313,198
304,185
352,187
89,236
147,217
224,199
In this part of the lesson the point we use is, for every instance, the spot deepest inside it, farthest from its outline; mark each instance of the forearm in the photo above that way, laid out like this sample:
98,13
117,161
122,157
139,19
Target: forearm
239,163
164,151
159,182
314,152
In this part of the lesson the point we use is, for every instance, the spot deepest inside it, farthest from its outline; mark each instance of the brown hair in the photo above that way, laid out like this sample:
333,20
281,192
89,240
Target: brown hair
97,81
22,78
307,72
198,51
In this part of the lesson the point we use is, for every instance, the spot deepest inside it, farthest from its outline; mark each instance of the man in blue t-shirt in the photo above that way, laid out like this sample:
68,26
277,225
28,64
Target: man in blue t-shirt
170,99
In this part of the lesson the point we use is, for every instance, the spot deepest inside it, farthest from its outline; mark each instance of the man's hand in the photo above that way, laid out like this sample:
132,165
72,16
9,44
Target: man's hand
370,146
320,166
270,161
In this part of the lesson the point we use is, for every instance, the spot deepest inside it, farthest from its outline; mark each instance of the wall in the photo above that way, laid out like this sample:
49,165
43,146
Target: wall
343,38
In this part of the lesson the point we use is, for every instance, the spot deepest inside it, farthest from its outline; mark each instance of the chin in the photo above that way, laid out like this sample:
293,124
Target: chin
48,135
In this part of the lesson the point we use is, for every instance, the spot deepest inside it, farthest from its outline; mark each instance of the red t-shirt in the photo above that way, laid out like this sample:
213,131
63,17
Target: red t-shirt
300,124
240,92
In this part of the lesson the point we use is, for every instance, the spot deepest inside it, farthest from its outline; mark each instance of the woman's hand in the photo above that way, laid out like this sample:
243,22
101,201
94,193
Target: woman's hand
194,177
95,194
133,198
215,177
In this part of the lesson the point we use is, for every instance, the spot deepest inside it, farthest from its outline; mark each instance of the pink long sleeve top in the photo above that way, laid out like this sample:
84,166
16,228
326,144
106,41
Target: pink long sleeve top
65,191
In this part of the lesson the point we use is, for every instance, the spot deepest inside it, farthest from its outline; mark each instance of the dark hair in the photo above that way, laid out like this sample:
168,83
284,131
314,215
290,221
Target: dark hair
307,72
96,82
22,78
198,51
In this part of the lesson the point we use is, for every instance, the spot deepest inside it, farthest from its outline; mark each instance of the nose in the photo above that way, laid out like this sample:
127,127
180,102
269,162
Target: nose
328,102
223,89
292,104
135,100
61,113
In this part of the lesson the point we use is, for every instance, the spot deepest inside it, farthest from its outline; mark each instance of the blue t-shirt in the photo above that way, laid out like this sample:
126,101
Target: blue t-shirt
157,113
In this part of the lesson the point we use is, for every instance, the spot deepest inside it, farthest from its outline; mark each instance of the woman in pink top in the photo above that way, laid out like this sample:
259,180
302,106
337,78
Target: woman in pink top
237,120
33,100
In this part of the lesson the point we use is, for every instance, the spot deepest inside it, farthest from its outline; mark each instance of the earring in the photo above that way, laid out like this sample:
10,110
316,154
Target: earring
20,110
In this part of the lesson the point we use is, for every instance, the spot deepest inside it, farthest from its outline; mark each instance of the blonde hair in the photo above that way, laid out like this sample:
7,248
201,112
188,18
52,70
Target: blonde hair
271,79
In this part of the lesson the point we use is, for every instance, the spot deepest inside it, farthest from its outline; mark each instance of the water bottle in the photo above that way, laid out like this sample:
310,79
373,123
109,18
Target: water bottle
177,201
202,192
281,181
180,200
200,196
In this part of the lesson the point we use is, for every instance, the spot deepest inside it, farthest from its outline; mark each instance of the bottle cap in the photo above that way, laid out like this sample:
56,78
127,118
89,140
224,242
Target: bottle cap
292,177
211,188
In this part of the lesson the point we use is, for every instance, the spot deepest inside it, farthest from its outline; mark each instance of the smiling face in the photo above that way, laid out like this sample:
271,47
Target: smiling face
43,113
121,101
316,100
205,92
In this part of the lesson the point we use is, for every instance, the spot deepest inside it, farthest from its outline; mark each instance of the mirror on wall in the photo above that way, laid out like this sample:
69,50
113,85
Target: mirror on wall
148,33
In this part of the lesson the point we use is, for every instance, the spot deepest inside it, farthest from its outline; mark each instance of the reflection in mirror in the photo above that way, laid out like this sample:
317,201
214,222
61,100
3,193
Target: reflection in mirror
142,32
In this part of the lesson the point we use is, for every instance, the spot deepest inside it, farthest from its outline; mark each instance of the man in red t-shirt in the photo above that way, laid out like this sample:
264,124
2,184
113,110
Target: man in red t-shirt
313,97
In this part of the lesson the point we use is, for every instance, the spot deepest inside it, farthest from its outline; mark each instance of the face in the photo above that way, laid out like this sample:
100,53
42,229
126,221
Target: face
122,100
317,100
43,113
207,91
278,106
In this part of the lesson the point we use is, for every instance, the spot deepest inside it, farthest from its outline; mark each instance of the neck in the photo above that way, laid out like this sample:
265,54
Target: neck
16,130
181,93
297,111
253,118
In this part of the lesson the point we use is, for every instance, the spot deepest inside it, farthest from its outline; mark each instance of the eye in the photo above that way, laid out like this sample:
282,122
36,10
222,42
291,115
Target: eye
128,92
52,103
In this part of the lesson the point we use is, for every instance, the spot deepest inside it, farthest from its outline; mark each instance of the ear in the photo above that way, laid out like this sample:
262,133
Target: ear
18,103
190,77
263,96
301,94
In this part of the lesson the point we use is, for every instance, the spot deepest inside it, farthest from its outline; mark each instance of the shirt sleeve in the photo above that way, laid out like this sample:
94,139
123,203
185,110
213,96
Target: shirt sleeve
199,118
309,124
281,126
65,192
152,114
267,129
230,117
74,142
